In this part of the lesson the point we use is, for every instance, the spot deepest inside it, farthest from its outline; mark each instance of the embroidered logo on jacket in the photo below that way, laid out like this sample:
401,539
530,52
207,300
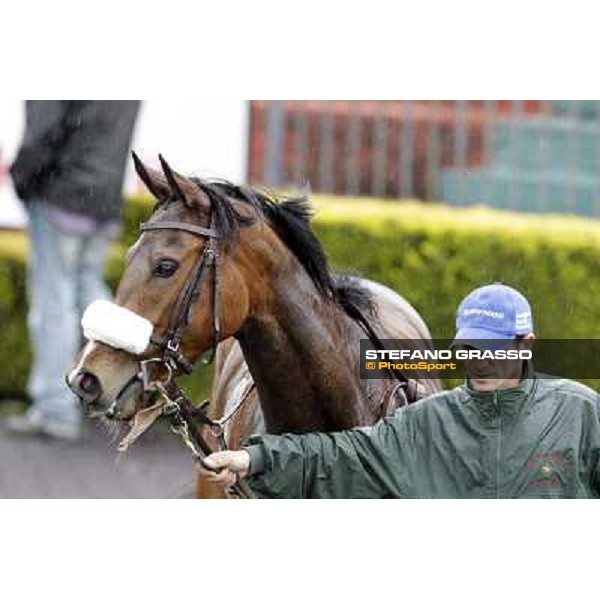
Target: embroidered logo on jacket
548,471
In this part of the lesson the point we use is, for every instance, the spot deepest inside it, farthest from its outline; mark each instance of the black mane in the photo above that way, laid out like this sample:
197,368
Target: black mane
290,219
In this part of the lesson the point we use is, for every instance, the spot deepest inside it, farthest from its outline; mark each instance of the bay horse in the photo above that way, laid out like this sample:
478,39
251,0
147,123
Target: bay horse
282,317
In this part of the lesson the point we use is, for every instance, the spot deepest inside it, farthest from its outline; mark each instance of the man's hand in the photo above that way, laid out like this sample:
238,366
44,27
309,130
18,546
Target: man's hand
228,466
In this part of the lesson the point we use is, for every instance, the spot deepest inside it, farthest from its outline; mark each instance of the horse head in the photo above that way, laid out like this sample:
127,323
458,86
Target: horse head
188,277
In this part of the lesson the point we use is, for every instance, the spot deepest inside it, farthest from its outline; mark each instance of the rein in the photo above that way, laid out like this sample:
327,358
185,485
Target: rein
182,414
406,391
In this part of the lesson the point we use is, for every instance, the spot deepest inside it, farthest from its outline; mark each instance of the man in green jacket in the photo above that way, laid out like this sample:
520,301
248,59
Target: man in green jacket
505,433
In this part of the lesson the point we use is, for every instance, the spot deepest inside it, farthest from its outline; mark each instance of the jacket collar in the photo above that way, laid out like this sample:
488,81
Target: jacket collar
505,401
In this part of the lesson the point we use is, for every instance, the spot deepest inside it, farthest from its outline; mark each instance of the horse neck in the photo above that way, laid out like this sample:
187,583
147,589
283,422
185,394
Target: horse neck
302,353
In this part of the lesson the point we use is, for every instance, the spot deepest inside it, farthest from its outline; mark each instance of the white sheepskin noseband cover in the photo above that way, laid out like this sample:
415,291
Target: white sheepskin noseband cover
119,327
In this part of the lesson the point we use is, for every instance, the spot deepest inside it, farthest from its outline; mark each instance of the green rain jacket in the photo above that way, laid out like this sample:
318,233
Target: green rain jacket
538,440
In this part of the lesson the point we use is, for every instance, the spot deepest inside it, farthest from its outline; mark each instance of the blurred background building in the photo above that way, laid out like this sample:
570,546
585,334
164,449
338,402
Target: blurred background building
525,155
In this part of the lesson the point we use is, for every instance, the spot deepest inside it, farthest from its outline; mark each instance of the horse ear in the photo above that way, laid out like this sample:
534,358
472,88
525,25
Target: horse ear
163,185
155,181
184,189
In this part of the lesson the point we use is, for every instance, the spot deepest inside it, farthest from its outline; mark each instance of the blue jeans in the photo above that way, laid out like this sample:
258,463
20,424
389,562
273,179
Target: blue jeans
65,274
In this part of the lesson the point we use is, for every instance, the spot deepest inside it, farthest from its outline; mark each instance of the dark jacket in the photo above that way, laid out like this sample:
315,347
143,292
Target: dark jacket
73,154
540,440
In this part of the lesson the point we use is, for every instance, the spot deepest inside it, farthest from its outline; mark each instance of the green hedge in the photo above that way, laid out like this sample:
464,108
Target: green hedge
15,355
432,254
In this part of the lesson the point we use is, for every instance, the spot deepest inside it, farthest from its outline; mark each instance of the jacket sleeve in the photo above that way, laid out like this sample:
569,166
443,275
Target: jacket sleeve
44,131
366,462
595,468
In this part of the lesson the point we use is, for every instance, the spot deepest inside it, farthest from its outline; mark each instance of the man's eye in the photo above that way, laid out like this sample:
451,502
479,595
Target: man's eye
165,268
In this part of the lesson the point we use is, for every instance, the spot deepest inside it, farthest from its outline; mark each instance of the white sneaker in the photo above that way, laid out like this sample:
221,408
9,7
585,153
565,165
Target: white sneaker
32,423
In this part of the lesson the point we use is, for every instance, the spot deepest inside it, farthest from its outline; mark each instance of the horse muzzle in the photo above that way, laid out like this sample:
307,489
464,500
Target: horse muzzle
96,400
106,377
86,386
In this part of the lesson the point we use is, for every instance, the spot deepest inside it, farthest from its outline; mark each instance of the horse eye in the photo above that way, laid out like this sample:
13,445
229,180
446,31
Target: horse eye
165,268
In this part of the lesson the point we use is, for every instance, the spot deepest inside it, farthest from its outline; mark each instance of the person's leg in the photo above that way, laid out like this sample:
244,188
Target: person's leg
53,318
90,268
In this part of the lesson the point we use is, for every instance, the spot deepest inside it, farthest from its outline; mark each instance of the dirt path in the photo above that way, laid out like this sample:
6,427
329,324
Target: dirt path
157,466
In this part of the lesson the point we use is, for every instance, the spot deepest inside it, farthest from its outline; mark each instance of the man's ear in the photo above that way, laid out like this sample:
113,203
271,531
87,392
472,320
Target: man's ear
527,341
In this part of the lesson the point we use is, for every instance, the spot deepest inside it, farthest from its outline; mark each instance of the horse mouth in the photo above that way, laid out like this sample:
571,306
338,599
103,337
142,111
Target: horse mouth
130,399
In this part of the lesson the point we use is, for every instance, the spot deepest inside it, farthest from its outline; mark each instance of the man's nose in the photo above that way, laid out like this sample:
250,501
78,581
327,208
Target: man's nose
85,385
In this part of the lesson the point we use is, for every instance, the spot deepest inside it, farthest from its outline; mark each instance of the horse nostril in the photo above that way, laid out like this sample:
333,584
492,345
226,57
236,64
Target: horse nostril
86,385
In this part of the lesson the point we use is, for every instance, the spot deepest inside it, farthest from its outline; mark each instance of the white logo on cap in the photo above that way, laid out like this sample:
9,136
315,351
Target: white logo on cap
523,320
494,314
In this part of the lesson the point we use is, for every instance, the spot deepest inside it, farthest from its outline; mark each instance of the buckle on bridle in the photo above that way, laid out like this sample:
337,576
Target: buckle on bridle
172,345
171,410
210,255
148,383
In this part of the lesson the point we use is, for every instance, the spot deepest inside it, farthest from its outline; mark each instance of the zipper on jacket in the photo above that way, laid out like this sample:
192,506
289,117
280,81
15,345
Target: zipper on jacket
499,448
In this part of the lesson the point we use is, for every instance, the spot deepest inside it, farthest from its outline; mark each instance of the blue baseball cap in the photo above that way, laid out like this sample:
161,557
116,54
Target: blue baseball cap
492,312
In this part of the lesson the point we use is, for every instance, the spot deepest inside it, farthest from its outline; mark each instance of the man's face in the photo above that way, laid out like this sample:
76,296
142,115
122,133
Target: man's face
488,375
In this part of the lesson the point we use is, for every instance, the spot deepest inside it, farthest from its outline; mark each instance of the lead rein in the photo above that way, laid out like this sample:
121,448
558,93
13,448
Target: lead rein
182,414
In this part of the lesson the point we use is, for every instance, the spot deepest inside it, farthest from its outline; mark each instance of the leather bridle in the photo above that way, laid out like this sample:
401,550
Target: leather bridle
179,409
170,343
